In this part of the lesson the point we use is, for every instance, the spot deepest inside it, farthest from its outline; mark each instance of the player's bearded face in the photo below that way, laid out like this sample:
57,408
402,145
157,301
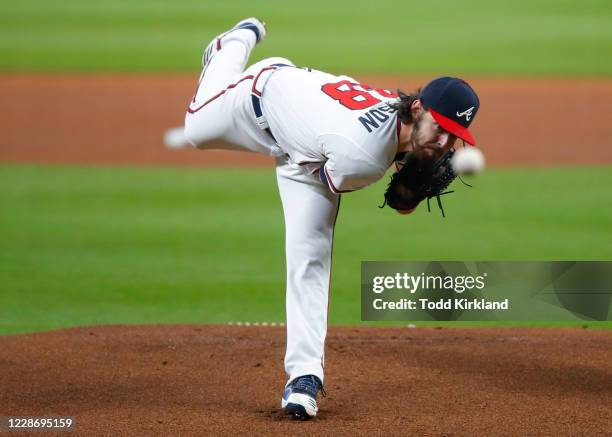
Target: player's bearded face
428,138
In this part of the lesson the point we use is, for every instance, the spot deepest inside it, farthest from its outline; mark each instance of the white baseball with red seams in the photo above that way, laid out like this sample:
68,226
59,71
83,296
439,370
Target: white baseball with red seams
320,123
467,161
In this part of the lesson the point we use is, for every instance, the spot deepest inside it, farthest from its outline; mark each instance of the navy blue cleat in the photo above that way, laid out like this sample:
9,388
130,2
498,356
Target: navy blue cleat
300,397
253,24
257,26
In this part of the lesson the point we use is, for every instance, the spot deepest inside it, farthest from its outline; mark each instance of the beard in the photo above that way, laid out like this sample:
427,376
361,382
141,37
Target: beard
414,135
420,147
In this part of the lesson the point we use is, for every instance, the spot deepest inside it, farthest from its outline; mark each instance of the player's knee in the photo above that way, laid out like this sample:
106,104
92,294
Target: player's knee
200,131
189,132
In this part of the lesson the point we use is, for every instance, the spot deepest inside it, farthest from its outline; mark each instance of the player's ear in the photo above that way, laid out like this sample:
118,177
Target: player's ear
416,108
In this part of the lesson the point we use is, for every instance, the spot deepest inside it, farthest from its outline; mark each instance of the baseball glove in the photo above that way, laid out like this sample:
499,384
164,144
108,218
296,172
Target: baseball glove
419,178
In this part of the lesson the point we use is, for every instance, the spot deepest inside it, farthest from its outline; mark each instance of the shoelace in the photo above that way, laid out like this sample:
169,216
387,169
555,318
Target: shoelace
310,384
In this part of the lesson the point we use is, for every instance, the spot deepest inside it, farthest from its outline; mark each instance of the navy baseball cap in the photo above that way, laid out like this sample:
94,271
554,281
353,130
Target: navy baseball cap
453,104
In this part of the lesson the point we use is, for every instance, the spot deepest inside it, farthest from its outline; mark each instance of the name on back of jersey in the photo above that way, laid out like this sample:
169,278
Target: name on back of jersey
374,118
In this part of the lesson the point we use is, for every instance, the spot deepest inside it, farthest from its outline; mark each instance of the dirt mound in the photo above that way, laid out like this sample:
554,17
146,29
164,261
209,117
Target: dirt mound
199,380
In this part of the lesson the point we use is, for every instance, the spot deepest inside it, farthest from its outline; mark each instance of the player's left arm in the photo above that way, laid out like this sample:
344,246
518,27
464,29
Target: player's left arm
348,168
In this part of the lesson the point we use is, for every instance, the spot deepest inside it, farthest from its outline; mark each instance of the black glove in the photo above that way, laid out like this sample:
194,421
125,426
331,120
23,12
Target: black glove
419,178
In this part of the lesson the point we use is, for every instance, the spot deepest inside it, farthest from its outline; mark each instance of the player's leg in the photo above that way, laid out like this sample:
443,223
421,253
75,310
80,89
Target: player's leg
226,56
256,67
209,115
310,212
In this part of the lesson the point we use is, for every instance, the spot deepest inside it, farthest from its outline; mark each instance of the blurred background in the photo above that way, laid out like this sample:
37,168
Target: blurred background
101,223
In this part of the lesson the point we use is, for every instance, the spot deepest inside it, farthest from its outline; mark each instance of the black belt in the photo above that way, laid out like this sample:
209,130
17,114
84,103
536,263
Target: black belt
256,101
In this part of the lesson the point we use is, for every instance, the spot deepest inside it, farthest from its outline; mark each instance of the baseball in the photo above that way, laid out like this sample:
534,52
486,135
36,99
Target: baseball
468,161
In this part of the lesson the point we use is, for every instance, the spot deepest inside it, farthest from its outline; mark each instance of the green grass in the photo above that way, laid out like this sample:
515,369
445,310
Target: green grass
524,37
84,246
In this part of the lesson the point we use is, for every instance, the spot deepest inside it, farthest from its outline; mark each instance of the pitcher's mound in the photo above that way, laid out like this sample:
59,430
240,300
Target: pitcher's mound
210,380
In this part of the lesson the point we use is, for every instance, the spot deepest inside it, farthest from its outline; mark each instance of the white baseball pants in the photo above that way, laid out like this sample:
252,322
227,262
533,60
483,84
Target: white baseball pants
221,110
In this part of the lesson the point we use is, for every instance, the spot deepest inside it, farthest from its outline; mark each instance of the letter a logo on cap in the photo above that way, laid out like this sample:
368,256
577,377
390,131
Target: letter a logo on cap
467,113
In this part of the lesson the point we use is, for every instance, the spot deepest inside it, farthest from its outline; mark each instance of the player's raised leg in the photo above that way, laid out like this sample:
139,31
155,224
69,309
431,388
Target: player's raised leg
226,56
209,115
310,212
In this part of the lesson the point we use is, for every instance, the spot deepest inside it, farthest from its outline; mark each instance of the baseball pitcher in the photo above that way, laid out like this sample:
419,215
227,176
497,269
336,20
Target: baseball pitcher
330,135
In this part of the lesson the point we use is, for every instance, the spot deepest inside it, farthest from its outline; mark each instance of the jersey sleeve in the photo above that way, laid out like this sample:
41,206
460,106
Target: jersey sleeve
348,166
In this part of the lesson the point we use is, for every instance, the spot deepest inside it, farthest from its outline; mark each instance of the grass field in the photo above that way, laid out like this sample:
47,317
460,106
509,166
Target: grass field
526,37
84,246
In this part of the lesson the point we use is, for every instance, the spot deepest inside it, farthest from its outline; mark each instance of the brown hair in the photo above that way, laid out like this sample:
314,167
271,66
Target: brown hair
403,105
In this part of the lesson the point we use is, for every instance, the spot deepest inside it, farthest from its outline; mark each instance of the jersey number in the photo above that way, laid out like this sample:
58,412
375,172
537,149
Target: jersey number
354,95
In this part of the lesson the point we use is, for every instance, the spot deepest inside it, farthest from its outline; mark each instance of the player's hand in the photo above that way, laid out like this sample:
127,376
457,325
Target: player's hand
419,177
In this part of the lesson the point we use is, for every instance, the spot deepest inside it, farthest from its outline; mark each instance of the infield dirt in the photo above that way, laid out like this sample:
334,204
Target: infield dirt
121,119
227,380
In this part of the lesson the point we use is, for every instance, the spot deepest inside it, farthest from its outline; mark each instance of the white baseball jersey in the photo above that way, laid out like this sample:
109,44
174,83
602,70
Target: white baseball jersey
320,118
